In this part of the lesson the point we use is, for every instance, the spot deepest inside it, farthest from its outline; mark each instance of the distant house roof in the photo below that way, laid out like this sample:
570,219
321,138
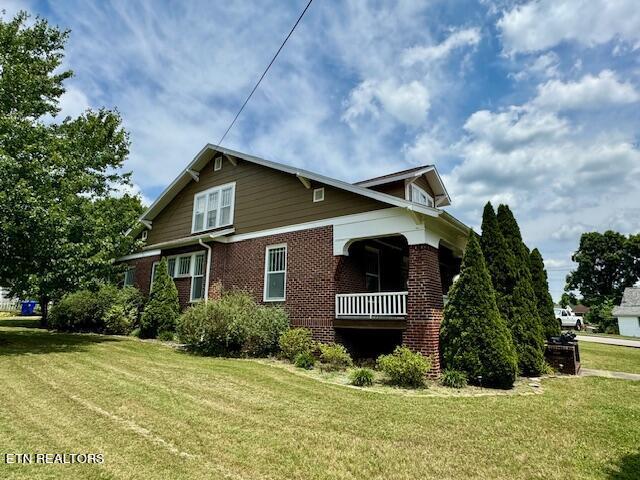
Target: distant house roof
580,309
630,305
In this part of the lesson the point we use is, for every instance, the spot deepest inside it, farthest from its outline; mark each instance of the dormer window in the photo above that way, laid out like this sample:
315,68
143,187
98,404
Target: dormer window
213,208
418,195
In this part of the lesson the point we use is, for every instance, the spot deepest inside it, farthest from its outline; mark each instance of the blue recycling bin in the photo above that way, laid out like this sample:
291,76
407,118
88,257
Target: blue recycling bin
28,306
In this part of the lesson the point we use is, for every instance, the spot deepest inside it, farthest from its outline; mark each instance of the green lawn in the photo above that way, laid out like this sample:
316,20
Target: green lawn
159,414
610,357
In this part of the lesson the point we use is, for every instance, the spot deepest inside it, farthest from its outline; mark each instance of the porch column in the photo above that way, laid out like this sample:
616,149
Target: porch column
424,303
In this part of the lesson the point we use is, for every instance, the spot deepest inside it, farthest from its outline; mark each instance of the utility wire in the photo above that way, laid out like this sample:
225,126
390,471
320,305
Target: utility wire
264,73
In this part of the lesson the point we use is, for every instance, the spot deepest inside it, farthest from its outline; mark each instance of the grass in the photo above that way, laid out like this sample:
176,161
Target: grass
610,357
156,413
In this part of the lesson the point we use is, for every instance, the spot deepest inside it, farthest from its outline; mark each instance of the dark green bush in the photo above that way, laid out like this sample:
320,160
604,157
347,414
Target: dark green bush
232,326
162,310
404,367
296,341
362,377
110,310
334,356
474,337
166,336
305,360
453,378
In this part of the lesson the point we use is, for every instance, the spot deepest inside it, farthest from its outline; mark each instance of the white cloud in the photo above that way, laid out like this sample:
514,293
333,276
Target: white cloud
72,103
589,93
431,53
540,25
570,231
545,65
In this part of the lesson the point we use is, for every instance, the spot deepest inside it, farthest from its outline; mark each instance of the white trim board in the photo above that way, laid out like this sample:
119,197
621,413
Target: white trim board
143,254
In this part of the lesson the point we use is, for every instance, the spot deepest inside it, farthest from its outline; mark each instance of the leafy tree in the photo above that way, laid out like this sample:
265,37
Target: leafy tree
474,337
601,315
567,299
163,308
543,297
521,310
607,263
59,227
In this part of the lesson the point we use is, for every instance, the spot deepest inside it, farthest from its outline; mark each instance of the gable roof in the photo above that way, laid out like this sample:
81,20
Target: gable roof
630,305
210,151
428,171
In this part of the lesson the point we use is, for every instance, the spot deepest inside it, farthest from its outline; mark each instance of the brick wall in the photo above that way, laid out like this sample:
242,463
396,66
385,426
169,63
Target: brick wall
424,303
142,273
310,286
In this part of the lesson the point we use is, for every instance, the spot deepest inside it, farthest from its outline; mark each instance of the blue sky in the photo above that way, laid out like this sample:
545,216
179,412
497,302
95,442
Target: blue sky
530,103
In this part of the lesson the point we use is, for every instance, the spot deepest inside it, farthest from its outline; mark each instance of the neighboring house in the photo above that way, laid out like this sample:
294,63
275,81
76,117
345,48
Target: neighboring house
363,264
7,302
580,310
628,313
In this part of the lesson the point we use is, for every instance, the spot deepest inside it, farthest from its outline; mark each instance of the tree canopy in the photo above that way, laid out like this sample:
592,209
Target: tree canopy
61,223
607,263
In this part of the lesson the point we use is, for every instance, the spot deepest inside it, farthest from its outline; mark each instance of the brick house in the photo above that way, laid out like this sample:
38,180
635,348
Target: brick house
365,264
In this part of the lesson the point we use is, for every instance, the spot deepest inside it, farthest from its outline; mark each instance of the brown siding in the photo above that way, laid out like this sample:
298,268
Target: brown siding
265,198
397,189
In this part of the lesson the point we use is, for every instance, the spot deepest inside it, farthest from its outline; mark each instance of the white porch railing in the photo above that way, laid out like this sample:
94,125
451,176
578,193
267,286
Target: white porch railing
382,304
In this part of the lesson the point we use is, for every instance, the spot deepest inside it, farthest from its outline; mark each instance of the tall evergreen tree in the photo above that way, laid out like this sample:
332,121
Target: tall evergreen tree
544,301
521,311
498,257
474,337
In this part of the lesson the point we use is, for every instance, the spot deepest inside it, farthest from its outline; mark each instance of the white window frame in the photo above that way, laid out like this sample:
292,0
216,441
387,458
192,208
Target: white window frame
429,202
217,163
193,275
205,194
130,270
144,235
318,195
266,272
154,267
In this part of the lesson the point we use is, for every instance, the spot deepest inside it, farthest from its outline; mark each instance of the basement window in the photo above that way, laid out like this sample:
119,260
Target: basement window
318,194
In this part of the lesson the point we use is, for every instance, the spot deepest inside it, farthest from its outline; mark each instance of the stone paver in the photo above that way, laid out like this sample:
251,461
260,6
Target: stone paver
589,372
623,342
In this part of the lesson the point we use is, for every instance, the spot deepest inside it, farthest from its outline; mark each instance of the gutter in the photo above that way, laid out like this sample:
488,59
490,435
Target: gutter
193,240
208,271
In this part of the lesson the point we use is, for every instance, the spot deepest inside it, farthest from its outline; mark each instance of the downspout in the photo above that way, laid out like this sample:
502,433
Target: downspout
208,270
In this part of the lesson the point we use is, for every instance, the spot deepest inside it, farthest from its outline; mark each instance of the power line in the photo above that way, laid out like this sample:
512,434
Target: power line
264,73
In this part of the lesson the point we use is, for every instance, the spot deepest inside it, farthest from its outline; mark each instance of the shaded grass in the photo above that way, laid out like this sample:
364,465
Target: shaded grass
610,357
157,413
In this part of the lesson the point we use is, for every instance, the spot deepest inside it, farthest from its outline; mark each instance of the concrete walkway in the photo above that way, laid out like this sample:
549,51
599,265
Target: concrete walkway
588,372
609,341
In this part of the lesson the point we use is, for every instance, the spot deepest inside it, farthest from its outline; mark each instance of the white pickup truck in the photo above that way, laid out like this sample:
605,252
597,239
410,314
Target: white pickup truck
567,318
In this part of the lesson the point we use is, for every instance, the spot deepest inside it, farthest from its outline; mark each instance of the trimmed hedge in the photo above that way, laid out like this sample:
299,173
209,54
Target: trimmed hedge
235,325
110,310
334,356
296,341
404,367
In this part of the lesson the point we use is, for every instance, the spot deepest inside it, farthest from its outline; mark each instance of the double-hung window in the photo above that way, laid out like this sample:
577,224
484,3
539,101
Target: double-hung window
129,276
197,279
418,195
275,273
213,208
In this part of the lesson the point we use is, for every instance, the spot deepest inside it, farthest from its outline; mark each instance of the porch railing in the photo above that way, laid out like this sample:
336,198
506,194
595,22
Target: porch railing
380,304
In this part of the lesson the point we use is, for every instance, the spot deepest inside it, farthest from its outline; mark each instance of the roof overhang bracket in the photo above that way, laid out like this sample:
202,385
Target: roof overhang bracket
414,215
232,160
439,199
147,224
195,175
304,180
